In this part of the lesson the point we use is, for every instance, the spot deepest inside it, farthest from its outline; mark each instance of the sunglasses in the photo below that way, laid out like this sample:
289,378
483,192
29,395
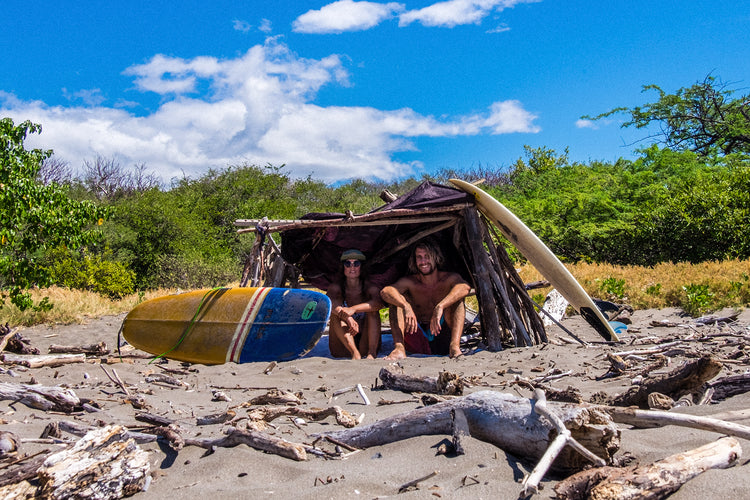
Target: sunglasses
350,263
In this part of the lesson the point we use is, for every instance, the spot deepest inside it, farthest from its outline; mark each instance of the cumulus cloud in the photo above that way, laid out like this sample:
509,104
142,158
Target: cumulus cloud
456,12
259,109
240,25
345,15
583,123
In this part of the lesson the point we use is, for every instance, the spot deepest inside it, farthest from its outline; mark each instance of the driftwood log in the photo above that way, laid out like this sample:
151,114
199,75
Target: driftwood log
653,481
254,439
104,464
505,420
727,387
686,379
39,361
445,383
657,418
40,397
99,349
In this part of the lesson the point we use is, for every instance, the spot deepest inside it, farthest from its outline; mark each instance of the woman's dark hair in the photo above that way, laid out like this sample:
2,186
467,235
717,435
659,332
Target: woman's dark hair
363,275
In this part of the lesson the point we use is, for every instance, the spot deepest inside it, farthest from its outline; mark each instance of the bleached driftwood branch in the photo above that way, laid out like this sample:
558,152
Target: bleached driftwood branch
39,361
658,418
653,481
563,439
505,420
102,465
40,397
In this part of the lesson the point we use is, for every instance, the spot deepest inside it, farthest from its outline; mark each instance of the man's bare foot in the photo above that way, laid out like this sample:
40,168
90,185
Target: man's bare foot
398,352
370,356
455,352
356,354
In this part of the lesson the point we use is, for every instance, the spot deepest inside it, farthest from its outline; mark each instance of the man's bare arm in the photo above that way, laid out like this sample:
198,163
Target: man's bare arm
458,292
394,295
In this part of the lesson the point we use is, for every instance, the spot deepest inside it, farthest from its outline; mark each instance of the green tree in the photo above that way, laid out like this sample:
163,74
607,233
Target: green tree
34,216
704,118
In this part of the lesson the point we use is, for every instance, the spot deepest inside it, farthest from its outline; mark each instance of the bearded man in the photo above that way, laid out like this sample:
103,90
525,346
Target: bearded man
427,307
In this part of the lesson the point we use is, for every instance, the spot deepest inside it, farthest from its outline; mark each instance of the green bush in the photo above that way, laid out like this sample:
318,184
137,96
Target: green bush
95,273
613,287
698,299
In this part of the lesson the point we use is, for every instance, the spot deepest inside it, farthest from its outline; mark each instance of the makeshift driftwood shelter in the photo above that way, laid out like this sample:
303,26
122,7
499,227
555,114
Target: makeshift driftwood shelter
311,247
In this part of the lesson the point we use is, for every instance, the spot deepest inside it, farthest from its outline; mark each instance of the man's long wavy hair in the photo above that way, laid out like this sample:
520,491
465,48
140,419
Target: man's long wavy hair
432,249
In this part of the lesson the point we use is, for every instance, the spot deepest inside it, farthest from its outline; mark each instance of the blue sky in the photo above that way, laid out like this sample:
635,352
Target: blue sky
338,90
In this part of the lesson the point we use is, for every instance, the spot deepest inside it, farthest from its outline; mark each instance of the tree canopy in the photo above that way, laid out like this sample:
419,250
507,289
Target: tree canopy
704,118
35,217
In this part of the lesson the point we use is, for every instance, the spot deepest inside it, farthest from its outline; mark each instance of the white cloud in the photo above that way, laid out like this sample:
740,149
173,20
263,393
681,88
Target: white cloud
242,26
259,109
345,15
265,26
582,123
457,12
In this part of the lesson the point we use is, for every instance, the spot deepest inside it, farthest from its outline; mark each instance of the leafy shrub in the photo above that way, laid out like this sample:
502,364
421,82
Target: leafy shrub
698,299
93,273
613,287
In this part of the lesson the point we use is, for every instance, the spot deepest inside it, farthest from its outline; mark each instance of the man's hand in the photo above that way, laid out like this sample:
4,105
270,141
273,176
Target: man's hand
437,315
410,321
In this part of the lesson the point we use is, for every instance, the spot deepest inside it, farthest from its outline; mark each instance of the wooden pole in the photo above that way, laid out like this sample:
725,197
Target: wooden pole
485,294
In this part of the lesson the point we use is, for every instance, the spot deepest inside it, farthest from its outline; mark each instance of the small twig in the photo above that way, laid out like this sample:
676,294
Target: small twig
342,444
116,379
362,393
413,484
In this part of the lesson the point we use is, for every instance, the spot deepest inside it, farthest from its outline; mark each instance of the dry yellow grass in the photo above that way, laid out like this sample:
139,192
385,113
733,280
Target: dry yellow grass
715,285
72,306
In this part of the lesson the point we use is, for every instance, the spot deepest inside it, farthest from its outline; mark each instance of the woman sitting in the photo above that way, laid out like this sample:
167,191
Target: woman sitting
354,330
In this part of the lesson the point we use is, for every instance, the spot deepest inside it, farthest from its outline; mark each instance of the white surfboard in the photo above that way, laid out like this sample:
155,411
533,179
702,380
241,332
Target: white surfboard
540,256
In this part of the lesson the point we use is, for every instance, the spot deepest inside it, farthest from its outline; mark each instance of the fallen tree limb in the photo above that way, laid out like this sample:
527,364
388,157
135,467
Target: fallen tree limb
505,420
445,383
653,481
40,397
39,361
99,349
254,439
659,418
686,379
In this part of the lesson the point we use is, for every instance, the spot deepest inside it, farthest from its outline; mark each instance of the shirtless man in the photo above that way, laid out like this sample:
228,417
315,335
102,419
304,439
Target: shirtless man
422,302
354,330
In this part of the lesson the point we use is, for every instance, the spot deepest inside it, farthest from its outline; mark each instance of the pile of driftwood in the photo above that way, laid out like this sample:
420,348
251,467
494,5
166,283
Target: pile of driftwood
553,430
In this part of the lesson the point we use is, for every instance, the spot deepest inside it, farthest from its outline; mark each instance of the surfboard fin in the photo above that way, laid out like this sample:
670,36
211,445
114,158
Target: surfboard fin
603,329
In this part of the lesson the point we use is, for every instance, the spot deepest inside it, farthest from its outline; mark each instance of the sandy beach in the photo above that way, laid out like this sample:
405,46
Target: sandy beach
485,471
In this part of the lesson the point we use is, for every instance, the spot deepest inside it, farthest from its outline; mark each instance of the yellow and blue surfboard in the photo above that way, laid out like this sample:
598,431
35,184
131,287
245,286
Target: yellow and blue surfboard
241,325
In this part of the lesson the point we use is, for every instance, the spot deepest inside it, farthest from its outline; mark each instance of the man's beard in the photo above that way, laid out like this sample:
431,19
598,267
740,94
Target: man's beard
427,273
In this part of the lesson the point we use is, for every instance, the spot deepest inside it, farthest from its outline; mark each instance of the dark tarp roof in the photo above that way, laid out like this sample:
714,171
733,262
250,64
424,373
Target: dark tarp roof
316,251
